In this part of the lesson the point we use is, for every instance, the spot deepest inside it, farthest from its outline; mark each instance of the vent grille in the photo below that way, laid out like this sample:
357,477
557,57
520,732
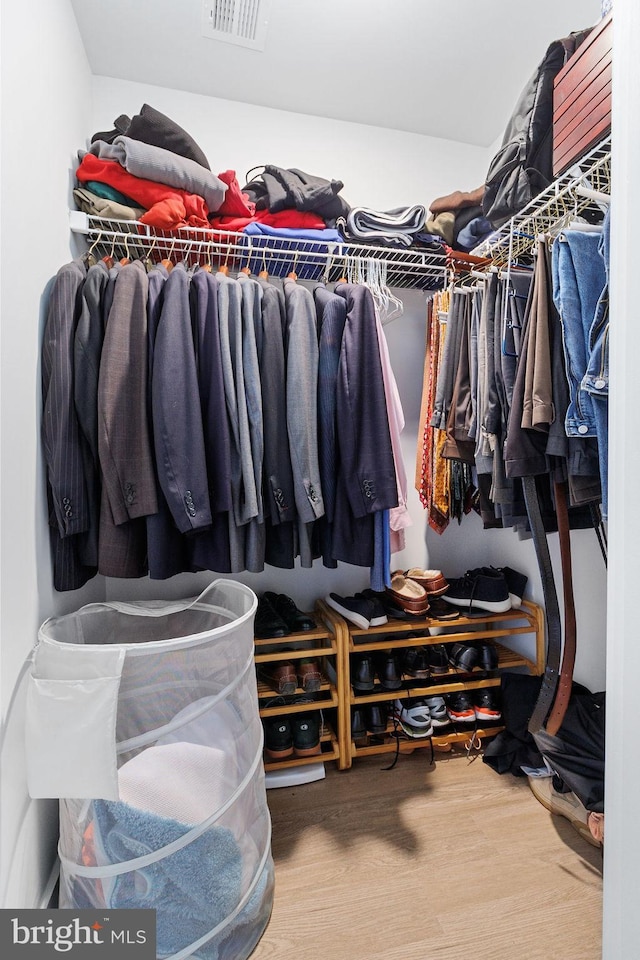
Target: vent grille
242,22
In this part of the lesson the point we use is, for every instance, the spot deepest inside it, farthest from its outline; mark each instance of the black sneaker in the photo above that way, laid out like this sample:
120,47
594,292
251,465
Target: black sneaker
460,708
392,610
278,739
268,622
379,616
486,705
305,729
480,591
516,581
358,610
296,620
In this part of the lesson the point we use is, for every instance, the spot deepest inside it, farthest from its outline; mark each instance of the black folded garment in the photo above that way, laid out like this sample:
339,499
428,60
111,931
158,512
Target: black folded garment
278,188
151,126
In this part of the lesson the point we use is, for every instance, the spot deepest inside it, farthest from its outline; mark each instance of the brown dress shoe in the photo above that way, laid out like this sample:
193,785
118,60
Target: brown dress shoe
309,676
281,677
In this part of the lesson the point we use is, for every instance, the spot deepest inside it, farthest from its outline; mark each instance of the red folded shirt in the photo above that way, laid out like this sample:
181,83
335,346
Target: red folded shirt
166,207
293,219
236,203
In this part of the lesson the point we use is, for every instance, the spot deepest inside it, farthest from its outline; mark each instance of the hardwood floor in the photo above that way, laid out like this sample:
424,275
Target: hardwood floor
422,862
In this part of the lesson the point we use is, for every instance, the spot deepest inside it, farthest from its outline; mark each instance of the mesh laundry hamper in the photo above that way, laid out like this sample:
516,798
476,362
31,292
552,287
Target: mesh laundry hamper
143,718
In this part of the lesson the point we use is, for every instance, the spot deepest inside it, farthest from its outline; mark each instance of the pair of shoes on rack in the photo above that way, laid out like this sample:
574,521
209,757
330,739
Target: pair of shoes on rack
295,735
425,661
495,590
478,653
408,593
363,610
471,707
365,668
284,676
278,616
370,719
413,716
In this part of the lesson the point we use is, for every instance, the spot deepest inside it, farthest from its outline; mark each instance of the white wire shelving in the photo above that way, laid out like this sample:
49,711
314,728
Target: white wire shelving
422,269
581,191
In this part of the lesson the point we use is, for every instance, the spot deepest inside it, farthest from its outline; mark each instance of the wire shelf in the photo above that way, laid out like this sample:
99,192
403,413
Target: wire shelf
573,194
422,269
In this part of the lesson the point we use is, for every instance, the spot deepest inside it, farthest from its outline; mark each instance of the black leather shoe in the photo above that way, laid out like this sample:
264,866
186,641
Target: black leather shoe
415,663
362,673
388,671
268,623
463,656
487,656
358,724
375,718
296,620
437,658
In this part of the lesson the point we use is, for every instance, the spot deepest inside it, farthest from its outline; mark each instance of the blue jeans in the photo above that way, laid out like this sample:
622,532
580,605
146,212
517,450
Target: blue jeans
596,378
579,279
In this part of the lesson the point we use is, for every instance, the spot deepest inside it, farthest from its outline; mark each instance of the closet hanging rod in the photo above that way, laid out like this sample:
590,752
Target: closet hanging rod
319,260
597,195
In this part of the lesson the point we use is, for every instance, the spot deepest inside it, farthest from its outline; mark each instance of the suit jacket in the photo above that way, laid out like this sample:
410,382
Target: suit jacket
366,480
302,416
64,456
124,441
279,501
332,315
177,415
209,549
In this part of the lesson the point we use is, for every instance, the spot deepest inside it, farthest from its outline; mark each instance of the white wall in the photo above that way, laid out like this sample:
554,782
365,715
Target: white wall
45,113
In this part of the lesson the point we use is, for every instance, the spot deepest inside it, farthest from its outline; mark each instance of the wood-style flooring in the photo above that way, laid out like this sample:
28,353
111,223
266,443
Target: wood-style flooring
422,862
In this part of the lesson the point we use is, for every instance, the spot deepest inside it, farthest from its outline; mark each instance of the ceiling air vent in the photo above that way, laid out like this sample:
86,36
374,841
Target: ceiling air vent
243,22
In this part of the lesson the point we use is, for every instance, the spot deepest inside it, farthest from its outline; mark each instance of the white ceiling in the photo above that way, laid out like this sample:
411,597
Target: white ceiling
451,69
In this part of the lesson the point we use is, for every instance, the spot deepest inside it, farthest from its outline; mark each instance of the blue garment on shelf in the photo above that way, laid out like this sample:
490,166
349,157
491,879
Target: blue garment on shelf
257,229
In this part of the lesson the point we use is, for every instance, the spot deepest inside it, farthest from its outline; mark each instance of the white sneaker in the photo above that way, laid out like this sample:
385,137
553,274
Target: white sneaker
414,717
437,711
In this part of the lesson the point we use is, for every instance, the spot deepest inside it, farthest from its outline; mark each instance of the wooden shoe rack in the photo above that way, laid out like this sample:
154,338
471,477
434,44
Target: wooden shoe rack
326,643
495,628
335,641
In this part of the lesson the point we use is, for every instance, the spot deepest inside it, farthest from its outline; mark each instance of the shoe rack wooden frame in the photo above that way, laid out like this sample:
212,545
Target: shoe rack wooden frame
527,619
326,643
335,640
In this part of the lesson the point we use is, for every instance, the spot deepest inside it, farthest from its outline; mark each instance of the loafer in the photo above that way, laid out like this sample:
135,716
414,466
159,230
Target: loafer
432,580
308,674
295,619
280,676
268,623
410,595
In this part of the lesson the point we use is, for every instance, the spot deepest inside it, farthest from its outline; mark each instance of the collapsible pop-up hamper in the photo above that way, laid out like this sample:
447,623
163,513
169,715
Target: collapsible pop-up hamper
143,719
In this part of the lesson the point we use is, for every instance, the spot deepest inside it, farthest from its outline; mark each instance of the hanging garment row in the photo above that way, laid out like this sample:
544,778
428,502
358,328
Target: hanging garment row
515,385
198,421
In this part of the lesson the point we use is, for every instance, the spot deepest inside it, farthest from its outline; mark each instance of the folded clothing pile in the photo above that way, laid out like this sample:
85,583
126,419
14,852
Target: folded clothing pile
148,168
459,220
397,227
